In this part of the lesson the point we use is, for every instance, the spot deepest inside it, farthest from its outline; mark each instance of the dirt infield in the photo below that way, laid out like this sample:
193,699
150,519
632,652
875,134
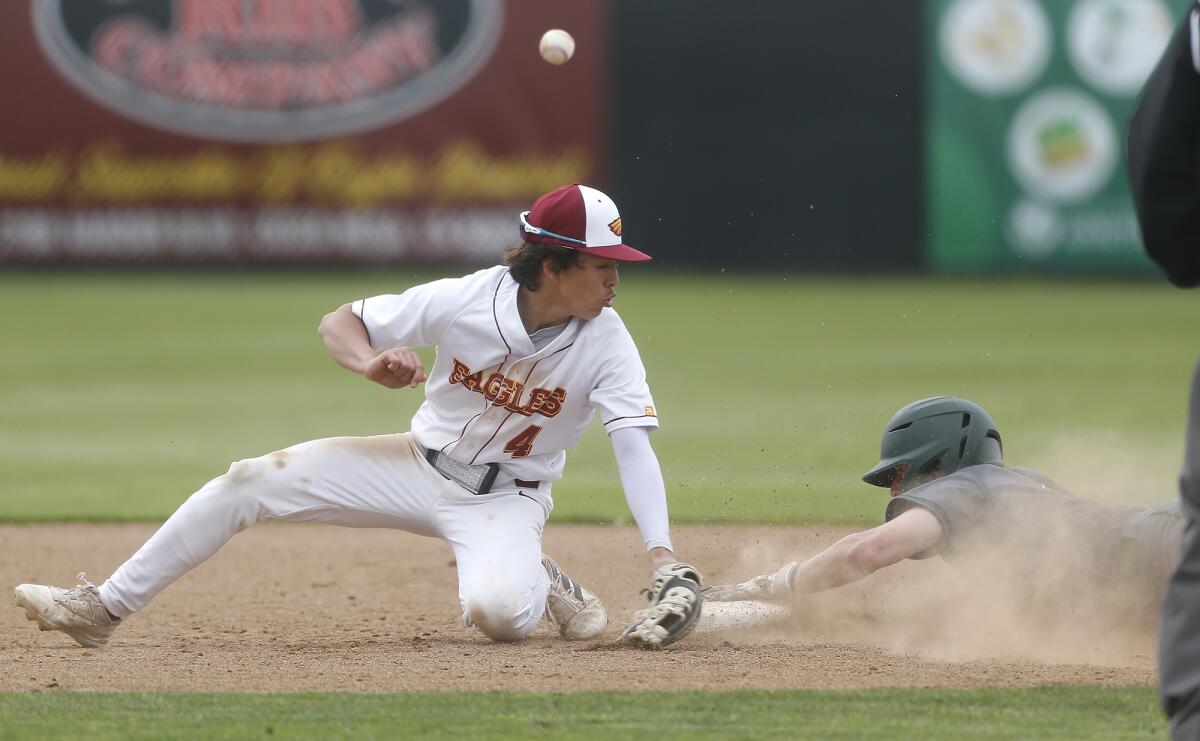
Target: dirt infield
292,607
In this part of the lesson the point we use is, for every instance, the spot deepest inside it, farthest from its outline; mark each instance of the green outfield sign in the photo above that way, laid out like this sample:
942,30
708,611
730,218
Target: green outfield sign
1026,111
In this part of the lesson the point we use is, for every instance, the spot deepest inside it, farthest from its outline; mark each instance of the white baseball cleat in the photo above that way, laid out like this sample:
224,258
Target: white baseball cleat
78,612
571,609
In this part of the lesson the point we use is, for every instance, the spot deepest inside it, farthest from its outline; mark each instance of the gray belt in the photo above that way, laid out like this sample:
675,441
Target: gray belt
475,479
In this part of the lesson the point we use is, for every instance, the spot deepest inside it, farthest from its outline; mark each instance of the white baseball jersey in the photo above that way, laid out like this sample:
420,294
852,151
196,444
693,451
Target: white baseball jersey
492,397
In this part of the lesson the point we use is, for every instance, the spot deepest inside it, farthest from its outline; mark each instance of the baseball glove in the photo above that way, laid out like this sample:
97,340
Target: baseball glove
675,603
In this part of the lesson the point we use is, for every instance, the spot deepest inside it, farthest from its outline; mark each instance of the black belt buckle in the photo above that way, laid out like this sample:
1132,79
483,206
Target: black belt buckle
489,478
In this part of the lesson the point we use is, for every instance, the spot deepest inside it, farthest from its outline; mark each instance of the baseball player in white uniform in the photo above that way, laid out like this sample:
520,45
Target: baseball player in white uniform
527,353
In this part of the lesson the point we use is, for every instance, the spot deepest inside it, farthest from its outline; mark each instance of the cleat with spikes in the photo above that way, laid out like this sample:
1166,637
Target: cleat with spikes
571,608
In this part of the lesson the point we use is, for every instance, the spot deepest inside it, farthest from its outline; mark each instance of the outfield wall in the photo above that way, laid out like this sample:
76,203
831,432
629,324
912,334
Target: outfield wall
954,135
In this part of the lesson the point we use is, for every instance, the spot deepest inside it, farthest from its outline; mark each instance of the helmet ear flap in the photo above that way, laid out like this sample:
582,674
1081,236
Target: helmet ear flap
929,470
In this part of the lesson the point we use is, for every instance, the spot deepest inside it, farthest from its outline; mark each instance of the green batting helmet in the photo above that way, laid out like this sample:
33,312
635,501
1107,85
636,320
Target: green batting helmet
935,436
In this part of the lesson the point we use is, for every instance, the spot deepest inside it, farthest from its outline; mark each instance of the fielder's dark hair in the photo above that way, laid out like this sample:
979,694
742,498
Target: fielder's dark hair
525,260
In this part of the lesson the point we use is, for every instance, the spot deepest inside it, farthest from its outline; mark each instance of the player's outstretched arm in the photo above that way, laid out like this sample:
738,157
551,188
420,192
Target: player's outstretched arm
861,554
346,339
854,557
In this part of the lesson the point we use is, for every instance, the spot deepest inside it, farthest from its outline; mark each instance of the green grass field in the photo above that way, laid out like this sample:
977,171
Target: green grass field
1042,713
120,394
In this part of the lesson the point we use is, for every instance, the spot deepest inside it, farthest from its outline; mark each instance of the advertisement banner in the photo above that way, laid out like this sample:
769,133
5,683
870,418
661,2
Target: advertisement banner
1026,112
227,131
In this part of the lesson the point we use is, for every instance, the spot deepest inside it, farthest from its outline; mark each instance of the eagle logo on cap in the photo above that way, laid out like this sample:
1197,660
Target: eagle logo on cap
615,226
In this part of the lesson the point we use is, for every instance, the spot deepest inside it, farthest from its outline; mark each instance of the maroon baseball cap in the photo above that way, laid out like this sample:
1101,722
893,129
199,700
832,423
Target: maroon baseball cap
581,218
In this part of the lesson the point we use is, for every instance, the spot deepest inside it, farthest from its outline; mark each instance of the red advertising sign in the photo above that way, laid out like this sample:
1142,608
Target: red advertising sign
290,130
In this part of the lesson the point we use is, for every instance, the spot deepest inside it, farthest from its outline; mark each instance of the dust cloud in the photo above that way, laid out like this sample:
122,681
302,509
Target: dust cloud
1048,594
1106,466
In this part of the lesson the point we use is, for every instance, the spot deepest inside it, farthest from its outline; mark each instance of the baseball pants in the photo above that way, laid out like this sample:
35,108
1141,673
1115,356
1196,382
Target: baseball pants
381,481
1179,635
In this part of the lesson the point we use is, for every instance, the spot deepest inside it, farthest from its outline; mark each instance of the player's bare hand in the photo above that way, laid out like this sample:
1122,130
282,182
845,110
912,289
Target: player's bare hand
775,587
396,369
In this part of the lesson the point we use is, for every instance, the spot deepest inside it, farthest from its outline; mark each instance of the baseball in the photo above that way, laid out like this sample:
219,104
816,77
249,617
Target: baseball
556,46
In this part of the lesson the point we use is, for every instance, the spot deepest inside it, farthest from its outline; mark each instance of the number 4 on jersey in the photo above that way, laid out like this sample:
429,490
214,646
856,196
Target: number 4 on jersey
520,445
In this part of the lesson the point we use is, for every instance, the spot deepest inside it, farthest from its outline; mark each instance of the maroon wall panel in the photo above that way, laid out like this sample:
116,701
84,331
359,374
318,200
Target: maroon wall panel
241,131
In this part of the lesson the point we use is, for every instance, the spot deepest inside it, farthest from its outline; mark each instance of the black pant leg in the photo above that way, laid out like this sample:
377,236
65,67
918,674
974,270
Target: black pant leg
1179,636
